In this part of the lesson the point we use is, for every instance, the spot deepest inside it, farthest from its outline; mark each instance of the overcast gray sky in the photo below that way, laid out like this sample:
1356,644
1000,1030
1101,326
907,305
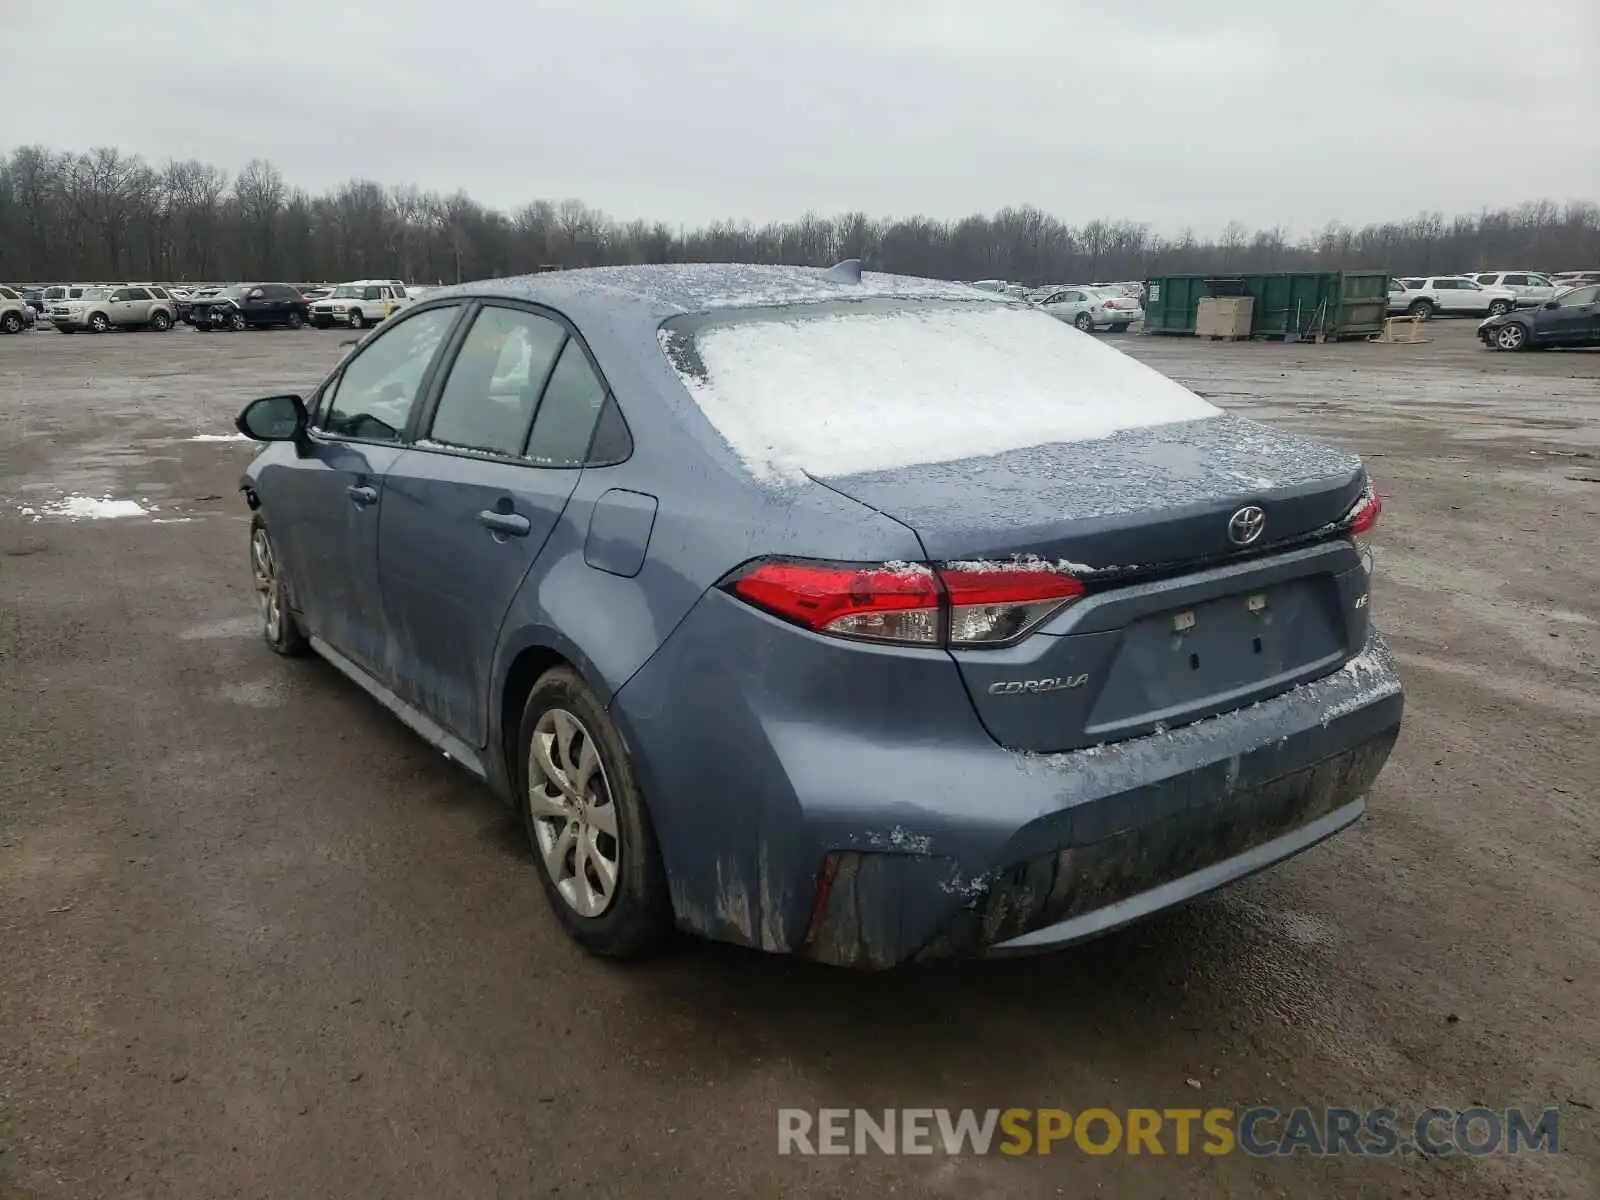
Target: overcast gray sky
1176,113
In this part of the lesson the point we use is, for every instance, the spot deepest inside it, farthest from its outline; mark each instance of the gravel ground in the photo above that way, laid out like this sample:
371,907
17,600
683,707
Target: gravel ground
257,940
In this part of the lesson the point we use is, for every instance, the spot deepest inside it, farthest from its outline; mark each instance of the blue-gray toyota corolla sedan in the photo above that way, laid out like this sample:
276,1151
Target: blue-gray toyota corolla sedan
861,617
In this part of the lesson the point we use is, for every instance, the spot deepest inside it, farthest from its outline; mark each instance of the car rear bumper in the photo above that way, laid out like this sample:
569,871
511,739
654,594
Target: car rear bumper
863,848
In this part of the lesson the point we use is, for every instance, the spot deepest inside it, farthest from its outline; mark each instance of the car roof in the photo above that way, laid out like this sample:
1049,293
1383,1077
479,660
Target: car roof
656,292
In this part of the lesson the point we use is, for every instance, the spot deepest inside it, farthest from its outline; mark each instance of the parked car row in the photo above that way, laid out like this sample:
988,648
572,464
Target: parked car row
100,307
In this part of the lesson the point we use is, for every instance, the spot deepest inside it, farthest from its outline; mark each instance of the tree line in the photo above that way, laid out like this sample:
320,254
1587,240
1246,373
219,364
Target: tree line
105,215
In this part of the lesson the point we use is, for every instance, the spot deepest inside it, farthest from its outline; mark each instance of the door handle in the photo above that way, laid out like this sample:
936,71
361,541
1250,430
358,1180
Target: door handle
362,494
514,524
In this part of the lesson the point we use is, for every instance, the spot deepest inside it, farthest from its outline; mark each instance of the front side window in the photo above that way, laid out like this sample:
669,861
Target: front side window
7,294
373,398
1579,296
1411,285
495,380
567,412
1539,281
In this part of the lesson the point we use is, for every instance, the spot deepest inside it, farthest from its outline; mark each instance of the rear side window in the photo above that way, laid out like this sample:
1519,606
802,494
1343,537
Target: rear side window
567,413
136,294
495,380
1516,280
373,398
159,293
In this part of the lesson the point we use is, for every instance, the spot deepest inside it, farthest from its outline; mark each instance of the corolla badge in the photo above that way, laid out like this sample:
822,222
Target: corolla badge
1032,687
1246,526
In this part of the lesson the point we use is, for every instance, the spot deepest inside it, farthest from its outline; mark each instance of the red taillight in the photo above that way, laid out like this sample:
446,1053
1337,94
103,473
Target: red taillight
1365,514
965,604
989,605
1109,304
884,603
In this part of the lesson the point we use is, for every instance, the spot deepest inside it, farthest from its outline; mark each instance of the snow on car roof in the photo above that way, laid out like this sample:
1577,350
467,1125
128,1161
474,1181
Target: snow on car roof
673,288
839,393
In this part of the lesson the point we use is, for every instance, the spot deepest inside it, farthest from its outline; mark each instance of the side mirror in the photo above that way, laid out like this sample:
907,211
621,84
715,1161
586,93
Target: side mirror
1551,304
273,419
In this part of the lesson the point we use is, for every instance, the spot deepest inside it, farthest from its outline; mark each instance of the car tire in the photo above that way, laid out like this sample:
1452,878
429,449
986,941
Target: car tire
238,323
356,319
1084,322
98,323
160,322
1500,308
11,323
1512,337
294,320
279,629
583,828
1119,329
1421,309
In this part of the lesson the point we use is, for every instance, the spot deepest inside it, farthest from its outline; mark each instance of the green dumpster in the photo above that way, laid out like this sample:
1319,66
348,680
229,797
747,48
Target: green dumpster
1327,305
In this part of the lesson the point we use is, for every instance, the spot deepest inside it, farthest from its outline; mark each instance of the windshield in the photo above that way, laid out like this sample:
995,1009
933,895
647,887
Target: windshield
827,390
353,291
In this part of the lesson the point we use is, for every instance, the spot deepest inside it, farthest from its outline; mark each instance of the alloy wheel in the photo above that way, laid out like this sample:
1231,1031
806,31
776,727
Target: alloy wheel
1511,337
574,813
264,567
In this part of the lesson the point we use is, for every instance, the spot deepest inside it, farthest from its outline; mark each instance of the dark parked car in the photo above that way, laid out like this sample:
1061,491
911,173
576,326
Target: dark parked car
859,617
249,306
1571,319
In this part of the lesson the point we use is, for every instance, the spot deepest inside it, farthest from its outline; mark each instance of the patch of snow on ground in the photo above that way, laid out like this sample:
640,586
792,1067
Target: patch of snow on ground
217,437
858,392
88,507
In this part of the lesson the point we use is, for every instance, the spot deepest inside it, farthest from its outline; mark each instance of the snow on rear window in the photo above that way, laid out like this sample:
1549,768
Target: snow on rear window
847,393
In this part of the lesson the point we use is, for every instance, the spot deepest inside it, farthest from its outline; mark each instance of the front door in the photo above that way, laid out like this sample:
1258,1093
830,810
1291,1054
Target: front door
128,307
326,524
1575,320
470,506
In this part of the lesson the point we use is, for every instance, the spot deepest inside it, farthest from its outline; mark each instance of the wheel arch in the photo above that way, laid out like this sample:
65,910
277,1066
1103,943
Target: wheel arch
522,658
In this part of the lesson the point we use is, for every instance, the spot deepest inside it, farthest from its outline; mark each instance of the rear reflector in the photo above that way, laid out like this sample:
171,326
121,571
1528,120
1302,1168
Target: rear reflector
968,605
1365,514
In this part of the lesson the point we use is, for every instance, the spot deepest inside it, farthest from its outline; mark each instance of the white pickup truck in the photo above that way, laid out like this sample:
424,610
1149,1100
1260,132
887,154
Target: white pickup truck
360,303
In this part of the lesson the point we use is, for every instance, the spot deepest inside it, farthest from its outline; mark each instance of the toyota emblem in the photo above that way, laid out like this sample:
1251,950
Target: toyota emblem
1246,526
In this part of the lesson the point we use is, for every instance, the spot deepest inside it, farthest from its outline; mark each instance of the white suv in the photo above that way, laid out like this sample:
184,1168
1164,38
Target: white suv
1452,294
15,315
1532,288
360,303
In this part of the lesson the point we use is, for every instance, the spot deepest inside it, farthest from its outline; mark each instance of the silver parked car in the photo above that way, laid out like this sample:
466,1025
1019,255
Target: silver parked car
1089,308
102,308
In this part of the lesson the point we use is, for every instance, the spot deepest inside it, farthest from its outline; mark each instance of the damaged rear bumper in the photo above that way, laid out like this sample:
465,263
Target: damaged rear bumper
895,830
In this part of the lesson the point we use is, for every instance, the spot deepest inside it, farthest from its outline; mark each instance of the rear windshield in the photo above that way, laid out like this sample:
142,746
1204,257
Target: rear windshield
842,389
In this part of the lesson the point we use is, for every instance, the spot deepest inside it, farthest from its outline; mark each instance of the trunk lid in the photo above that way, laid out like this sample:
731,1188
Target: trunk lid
1180,622
1148,498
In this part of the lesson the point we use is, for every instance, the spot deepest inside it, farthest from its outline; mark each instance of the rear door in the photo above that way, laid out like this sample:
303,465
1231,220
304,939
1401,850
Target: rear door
470,506
325,518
